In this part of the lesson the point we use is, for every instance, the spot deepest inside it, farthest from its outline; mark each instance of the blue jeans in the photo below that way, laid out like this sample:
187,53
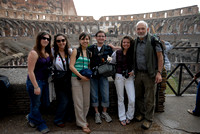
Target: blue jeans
35,102
196,111
63,101
102,84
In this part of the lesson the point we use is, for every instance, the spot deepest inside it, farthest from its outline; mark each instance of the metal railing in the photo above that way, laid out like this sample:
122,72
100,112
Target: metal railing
181,66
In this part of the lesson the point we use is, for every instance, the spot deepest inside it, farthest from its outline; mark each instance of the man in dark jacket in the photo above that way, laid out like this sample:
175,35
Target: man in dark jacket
100,53
148,64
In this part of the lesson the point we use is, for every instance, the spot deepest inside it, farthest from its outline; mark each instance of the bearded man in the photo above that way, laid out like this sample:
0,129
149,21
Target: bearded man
148,64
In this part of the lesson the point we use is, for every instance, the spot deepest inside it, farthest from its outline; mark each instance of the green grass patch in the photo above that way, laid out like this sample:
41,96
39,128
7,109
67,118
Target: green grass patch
173,83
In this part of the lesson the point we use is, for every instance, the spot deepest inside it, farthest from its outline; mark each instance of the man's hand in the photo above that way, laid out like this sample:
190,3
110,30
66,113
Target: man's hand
158,78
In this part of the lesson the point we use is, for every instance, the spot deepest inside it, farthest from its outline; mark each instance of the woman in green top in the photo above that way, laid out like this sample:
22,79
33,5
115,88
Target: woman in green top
80,84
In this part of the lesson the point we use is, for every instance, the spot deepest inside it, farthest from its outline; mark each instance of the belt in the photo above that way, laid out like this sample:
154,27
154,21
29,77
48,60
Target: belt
142,71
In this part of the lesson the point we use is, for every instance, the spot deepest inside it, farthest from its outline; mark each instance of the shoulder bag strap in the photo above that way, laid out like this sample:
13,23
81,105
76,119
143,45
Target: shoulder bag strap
100,53
62,61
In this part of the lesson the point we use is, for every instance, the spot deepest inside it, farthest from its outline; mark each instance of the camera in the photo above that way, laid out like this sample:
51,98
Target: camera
125,73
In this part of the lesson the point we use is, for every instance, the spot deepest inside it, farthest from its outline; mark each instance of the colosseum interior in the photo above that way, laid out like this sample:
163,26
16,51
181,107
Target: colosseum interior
21,20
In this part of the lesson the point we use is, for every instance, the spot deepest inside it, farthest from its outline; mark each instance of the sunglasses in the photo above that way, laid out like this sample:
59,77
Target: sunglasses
58,41
44,38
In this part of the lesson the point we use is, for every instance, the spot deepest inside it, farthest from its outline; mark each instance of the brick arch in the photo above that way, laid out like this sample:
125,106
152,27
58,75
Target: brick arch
120,28
88,28
94,29
196,24
65,28
57,28
17,25
171,26
191,25
70,28
2,32
50,28
82,28
76,28
33,28
39,27
158,25
184,25
7,28
177,26
26,26
131,28
125,28
165,27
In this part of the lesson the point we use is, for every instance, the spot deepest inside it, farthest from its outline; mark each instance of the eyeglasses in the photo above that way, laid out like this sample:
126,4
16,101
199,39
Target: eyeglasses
45,38
58,41
101,36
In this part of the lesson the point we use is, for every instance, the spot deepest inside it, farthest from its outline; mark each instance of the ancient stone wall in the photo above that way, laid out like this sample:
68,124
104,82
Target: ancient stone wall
191,10
14,27
38,16
62,7
175,25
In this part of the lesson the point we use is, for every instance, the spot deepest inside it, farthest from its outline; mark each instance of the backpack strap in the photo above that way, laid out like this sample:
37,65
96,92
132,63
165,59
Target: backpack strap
79,51
154,41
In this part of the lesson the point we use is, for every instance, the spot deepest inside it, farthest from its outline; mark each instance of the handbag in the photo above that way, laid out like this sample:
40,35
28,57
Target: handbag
60,75
86,72
107,69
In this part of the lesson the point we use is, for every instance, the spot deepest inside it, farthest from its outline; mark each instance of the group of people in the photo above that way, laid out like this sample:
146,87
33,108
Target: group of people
138,71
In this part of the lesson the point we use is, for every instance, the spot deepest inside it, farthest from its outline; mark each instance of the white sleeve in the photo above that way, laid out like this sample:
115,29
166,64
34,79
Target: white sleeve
168,46
70,51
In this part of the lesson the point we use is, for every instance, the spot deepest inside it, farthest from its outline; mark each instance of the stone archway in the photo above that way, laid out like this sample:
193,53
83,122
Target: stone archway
94,29
2,32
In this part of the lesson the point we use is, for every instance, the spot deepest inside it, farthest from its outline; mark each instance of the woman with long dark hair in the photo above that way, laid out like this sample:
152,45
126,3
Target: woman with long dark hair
39,61
124,79
61,53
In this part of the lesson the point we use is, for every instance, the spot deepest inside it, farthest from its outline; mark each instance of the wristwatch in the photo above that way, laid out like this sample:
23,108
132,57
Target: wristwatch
159,71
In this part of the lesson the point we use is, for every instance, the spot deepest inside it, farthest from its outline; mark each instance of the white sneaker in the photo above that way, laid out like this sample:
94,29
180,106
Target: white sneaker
106,116
30,123
98,118
44,131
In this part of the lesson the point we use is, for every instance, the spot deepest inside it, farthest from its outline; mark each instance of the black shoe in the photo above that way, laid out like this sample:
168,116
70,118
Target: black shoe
139,118
146,124
60,124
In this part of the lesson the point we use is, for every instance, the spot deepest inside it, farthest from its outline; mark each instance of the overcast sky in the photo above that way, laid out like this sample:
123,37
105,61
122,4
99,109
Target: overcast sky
98,8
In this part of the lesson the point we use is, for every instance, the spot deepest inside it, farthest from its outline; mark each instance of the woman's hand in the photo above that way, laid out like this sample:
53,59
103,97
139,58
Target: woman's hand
37,91
84,78
131,73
